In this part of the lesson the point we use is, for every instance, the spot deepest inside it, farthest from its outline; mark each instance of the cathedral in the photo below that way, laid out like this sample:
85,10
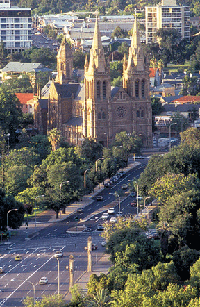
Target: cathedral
94,109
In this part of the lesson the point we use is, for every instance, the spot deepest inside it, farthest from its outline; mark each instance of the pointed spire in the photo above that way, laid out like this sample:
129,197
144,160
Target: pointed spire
96,44
135,41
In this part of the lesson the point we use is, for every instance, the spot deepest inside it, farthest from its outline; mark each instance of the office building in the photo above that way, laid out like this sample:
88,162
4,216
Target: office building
15,26
167,14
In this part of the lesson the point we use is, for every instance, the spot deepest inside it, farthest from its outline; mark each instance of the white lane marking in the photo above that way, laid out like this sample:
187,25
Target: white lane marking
25,281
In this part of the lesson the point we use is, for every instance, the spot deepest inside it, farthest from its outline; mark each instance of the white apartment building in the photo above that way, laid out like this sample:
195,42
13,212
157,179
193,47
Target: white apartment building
167,14
15,26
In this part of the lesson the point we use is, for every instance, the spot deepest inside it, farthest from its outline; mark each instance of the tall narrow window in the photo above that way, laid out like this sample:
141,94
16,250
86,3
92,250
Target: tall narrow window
143,89
138,113
98,90
142,113
137,88
104,89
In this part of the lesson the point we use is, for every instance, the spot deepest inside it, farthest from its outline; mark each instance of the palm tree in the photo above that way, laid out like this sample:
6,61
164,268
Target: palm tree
54,138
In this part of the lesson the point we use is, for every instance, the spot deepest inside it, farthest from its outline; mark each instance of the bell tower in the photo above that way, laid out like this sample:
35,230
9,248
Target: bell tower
136,84
97,91
64,62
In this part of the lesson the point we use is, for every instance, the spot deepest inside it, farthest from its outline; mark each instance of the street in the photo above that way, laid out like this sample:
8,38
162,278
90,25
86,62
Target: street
20,277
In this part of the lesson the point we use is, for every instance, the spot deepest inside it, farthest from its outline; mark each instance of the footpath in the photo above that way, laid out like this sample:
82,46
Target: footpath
43,220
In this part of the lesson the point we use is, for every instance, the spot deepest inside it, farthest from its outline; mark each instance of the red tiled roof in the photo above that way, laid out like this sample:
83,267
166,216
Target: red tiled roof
152,72
24,97
188,99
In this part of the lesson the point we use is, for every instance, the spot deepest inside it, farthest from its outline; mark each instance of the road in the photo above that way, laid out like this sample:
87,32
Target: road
38,254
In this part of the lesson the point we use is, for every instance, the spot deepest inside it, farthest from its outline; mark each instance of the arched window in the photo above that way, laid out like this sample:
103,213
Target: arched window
98,90
99,115
137,88
143,88
142,113
138,113
103,115
104,89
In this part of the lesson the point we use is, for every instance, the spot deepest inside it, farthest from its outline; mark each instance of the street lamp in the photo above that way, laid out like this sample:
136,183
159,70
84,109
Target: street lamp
145,200
8,213
84,177
58,276
117,195
64,182
170,134
33,291
35,206
107,137
8,135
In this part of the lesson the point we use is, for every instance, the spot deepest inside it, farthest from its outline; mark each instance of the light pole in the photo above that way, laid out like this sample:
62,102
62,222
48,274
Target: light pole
106,138
170,134
33,292
35,206
84,178
137,201
8,135
58,276
8,213
64,182
145,200
96,167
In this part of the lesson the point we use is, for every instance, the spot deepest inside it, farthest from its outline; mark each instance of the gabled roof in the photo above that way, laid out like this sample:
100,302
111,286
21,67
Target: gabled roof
18,67
187,99
24,97
173,107
67,90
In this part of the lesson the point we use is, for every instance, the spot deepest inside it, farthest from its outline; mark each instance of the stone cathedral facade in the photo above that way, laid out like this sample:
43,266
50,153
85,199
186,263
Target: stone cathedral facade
96,110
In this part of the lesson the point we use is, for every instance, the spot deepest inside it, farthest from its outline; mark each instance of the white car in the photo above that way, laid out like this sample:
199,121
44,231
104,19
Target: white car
43,281
111,210
105,216
113,219
58,254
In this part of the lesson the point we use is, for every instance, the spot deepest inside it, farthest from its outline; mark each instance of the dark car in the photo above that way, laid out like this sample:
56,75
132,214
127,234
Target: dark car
100,228
99,198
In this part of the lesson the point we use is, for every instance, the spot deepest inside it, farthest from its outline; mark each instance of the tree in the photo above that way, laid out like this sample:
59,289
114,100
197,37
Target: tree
156,105
54,138
10,112
19,85
89,150
183,259
191,137
79,59
45,56
125,144
116,69
47,301
119,33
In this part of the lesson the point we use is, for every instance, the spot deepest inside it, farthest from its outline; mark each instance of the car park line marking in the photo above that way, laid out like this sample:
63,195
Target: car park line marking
25,281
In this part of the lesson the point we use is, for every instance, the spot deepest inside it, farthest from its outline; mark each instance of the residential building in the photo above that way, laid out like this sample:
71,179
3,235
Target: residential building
26,102
15,26
167,14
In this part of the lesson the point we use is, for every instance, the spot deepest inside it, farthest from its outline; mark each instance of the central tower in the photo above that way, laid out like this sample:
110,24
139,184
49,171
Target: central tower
97,91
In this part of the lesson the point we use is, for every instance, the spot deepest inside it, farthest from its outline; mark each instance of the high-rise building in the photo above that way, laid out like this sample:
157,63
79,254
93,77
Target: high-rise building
167,14
15,26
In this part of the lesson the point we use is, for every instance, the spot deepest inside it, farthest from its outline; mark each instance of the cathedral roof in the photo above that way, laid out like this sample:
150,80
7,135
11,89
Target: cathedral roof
114,91
67,90
75,121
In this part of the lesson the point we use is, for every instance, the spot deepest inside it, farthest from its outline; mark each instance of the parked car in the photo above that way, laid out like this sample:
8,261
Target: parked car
111,210
43,280
103,243
100,227
99,198
113,219
133,203
80,210
88,229
105,215
58,254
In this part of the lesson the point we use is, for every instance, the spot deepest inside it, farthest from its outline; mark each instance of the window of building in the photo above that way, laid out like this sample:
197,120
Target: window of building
17,38
99,115
103,115
98,90
17,32
143,88
3,20
3,38
3,26
142,113
104,89
137,88
16,19
17,44
138,113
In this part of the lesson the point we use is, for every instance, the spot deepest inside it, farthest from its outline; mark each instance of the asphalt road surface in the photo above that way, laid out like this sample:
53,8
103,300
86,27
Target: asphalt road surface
19,277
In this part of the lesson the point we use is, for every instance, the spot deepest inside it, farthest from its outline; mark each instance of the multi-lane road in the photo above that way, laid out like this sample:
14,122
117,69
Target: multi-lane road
20,277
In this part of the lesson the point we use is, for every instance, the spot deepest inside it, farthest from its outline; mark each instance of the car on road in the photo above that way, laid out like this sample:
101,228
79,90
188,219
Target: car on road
43,280
18,258
1,270
88,229
94,247
113,219
111,210
139,197
133,203
58,254
103,243
80,210
124,186
99,198
100,227
107,184
105,216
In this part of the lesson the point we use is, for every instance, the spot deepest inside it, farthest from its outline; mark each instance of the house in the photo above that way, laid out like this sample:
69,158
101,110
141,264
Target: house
27,102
